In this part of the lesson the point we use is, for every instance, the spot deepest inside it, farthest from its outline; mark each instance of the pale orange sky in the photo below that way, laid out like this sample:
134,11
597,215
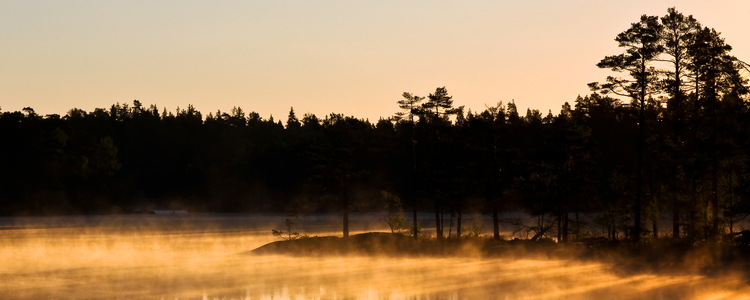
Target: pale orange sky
351,57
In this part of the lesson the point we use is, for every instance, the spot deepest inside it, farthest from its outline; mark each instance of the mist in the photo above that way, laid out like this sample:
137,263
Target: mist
208,256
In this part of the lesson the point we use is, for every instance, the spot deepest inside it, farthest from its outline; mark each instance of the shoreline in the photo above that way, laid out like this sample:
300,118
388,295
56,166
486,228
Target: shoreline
663,256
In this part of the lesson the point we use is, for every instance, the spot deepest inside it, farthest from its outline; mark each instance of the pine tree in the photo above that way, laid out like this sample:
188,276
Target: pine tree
642,43
292,122
437,110
679,33
716,73
410,103
439,106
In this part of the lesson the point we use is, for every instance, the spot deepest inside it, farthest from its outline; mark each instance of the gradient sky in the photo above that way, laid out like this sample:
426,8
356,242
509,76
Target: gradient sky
351,57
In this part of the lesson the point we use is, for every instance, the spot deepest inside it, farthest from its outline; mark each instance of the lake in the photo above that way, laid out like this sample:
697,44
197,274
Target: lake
205,256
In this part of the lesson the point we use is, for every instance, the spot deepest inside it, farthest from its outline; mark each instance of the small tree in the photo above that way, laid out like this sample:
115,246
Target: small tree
474,229
290,235
395,217
414,229
292,121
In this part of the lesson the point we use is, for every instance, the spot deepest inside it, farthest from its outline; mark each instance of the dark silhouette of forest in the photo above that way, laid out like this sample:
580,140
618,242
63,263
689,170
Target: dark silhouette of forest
676,142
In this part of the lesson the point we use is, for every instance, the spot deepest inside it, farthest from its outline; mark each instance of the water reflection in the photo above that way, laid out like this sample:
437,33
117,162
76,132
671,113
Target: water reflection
147,257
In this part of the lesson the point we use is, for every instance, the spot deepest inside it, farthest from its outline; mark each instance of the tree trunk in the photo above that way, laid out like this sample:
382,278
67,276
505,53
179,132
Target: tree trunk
639,160
656,213
675,216
559,224
438,227
715,206
458,225
414,176
559,217
715,177
450,225
346,216
578,227
692,218
614,228
495,223
565,227
731,204
415,228
442,221
677,126
639,172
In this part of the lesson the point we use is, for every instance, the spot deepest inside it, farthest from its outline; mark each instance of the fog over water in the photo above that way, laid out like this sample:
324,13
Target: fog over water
205,256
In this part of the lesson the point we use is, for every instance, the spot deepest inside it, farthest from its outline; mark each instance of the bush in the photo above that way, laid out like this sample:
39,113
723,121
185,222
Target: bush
395,217
474,229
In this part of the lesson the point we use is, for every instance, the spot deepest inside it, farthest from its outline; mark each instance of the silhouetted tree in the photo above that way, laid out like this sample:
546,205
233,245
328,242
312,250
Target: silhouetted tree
410,103
292,122
642,43
436,112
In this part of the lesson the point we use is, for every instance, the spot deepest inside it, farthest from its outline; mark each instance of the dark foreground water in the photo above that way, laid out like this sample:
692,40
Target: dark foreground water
204,256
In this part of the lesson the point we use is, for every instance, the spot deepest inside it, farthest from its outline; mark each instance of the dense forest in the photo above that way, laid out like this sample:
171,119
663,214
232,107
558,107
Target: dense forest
667,134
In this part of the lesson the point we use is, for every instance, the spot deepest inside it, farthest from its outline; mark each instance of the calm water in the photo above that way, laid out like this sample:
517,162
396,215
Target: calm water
204,256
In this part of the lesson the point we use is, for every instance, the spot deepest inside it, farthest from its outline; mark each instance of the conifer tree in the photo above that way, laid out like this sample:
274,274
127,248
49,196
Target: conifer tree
410,103
678,35
642,43
292,121
437,110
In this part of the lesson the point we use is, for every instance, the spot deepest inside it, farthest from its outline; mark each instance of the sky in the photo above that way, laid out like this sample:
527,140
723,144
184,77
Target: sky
350,57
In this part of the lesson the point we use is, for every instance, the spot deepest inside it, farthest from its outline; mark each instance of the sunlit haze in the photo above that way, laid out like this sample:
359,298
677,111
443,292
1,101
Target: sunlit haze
206,256
350,57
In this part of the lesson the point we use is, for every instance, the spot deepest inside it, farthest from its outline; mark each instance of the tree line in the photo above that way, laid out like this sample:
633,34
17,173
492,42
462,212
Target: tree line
677,145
